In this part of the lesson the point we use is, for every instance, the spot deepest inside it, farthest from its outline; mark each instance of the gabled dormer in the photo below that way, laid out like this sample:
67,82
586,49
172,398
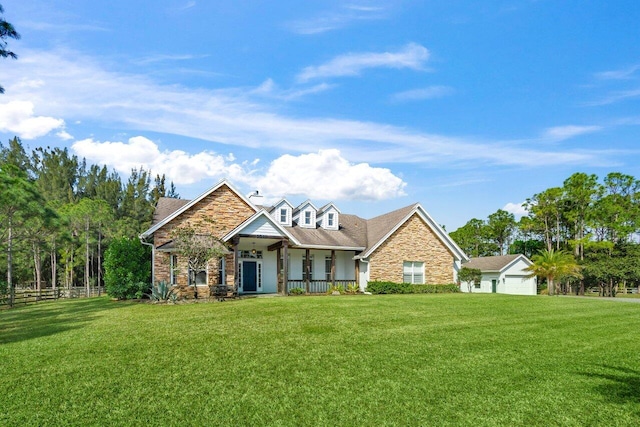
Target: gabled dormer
305,215
282,213
329,217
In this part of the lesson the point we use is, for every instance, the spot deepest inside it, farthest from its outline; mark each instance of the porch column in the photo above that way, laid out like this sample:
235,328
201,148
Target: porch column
357,272
307,269
279,269
236,263
333,267
285,270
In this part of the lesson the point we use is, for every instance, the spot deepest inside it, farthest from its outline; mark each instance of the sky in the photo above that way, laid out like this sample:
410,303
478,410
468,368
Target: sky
466,107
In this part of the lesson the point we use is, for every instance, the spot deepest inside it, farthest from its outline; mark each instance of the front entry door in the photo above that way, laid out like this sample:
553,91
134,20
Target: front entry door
249,276
494,286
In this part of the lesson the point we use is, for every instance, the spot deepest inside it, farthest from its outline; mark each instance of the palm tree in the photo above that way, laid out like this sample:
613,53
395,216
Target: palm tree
554,265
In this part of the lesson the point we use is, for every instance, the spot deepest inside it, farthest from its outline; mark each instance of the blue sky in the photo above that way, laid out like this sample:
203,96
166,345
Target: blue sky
464,106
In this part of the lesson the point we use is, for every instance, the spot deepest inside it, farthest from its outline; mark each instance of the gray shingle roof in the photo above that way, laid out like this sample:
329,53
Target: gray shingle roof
490,263
381,225
354,232
165,207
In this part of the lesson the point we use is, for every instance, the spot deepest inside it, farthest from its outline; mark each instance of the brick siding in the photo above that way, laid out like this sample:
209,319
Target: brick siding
217,214
413,241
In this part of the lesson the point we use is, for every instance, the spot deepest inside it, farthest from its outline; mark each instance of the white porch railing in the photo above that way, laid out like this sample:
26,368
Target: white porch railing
317,286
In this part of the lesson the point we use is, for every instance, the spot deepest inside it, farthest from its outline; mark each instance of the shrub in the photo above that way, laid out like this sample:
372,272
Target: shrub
336,288
389,288
353,288
408,288
127,269
161,291
297,291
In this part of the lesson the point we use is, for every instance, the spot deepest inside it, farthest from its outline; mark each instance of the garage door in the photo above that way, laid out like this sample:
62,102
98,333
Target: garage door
520,285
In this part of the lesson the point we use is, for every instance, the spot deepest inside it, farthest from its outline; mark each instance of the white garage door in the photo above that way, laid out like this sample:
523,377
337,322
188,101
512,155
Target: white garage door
520,285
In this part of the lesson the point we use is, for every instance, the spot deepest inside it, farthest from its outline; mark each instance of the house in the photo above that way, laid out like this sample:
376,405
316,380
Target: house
273,249
502,274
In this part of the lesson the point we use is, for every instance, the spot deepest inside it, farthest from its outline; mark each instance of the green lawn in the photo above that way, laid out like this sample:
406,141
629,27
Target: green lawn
352,360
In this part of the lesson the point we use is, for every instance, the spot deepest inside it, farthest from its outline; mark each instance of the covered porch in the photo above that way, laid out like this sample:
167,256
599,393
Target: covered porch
261,268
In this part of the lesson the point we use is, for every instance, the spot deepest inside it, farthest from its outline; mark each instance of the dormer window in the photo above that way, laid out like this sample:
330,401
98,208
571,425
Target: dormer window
281,213
330,219
307,218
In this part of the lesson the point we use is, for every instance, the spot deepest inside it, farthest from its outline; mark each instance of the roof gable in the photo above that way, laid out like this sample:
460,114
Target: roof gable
191,203
498,263
261,224
384,226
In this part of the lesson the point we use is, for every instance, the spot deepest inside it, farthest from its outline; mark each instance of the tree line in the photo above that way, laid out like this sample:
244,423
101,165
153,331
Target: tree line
58,214
596,221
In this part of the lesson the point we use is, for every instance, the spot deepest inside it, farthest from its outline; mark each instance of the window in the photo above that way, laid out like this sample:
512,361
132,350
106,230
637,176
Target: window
476,285
304,267
413,272
221,276
327,268
250,254
283,216
174,269
307,217
200,277
330,219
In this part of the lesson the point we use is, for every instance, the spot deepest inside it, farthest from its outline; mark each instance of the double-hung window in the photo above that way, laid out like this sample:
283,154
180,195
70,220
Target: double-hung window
307,217
283,215
174,269
330,219
413,272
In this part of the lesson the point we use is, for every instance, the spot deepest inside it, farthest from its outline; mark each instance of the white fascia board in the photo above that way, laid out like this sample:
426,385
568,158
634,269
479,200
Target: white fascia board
248,221
515,260
170,218
337,248
327,206
444,236
280,202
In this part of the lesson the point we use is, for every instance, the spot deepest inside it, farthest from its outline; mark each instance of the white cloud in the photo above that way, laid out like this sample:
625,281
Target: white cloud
412,56
565,132
270,88
18,117
64,135
329,176
336,19
179,166
75,87
428,92
517,209
163,58
616,96
622,74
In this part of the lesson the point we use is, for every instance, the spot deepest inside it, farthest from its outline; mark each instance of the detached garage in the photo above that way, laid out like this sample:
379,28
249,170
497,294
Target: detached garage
502,274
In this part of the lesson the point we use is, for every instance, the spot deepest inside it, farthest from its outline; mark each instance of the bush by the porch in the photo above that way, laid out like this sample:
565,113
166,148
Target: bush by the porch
409,288
127,269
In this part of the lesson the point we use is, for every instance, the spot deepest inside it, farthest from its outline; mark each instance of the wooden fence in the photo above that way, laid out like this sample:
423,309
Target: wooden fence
31,296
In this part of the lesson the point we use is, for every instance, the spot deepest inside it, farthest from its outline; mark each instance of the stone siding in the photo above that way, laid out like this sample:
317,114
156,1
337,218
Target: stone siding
413,241
217,214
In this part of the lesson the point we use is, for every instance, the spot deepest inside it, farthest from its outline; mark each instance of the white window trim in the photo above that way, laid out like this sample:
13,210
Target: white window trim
286,215
414,264
173,269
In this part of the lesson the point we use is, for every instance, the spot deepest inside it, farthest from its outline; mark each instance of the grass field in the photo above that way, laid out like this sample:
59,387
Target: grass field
362,360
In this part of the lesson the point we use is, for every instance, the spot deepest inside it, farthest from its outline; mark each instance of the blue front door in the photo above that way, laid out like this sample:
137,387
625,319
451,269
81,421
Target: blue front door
249,276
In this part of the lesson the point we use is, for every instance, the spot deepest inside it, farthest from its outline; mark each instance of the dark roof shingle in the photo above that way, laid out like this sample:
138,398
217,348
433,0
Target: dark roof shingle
490,263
